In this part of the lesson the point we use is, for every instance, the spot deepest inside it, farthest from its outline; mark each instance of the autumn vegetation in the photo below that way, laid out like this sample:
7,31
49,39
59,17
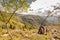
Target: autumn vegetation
13,27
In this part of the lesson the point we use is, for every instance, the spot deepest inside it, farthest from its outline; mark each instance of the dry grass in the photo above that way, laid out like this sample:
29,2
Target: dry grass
19,34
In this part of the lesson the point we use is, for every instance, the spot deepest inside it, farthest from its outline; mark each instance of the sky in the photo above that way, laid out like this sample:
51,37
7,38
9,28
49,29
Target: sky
43,4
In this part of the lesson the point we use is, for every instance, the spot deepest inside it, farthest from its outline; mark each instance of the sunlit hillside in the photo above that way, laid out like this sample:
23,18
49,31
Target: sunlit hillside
25,27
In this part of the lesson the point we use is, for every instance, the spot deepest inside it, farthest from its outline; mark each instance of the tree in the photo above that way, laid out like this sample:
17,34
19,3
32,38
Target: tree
50,13
42,28
12,6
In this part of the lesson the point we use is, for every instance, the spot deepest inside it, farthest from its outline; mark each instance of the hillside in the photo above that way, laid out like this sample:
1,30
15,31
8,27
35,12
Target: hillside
33,20
24,27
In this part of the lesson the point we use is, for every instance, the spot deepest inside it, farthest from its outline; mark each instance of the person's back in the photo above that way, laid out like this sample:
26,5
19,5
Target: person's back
41,30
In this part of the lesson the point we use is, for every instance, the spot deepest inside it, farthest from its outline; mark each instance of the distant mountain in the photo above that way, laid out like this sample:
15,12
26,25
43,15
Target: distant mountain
52,19
33,20
36,20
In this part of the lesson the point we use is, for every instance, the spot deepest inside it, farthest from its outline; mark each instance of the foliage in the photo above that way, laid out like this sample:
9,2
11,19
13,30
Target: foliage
15,5
14,22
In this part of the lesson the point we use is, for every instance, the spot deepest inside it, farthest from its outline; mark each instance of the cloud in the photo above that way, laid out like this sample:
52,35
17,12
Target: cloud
43,4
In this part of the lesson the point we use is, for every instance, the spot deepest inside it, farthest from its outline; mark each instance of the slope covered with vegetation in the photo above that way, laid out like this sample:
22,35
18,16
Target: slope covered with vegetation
21,28
15,21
